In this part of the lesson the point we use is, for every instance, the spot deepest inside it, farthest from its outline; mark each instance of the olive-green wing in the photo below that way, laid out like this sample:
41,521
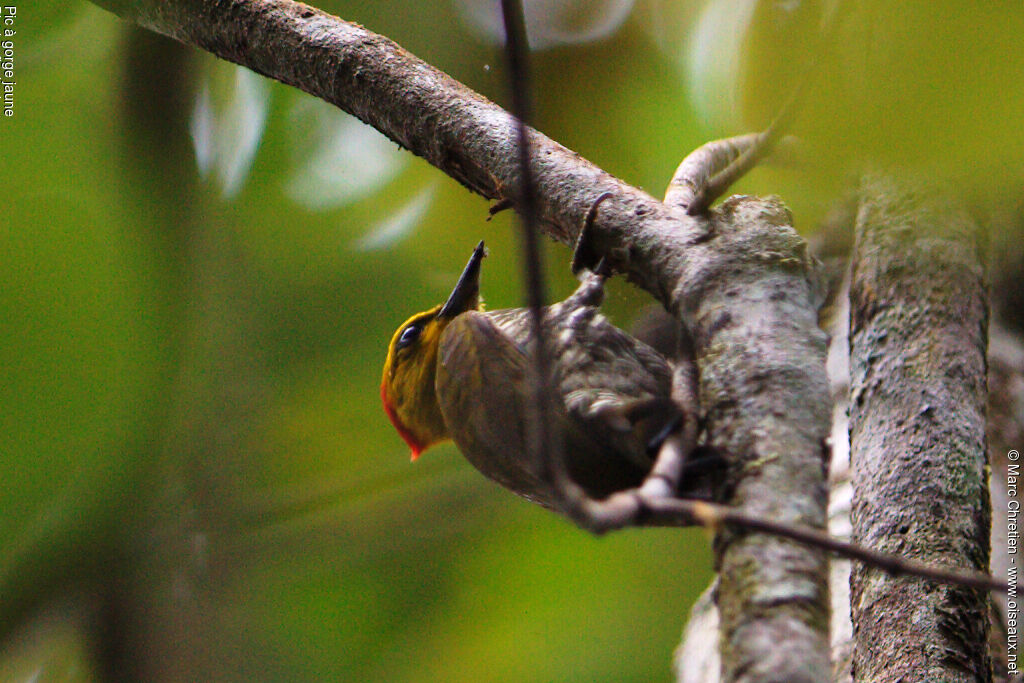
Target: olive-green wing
480,376
481,389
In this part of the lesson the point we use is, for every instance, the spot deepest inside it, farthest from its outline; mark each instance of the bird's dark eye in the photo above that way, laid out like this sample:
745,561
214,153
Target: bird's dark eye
408,336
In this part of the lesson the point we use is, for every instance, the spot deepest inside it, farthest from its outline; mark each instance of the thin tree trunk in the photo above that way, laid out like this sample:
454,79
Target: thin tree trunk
919,318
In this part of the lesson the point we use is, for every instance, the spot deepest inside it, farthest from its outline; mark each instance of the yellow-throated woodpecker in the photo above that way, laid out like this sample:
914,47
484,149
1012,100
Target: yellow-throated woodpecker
458,372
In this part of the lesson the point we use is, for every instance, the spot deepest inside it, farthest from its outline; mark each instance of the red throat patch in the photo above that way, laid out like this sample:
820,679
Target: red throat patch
403,432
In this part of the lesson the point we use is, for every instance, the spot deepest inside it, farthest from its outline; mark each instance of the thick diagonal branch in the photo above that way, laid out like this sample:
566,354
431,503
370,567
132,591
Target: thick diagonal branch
424,110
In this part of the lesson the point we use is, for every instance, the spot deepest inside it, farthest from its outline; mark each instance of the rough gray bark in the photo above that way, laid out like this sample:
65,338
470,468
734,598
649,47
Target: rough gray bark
765,397
919,321
739,280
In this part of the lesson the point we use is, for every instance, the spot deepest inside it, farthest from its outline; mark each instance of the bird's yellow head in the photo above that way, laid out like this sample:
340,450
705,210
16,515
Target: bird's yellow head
407,388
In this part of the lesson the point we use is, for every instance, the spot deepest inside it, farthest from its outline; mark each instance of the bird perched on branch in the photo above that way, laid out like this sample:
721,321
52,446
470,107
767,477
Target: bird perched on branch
458,372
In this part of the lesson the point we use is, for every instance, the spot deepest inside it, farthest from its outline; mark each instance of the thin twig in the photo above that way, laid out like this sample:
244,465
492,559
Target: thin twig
697,168
749,156
678,512
709,171
540,439
635,507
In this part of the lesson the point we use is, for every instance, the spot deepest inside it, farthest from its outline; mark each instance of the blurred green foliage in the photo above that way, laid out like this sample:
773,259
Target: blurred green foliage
203,269
194,450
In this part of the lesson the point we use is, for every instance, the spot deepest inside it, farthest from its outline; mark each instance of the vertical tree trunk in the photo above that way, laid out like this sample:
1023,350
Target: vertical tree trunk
765,398
919,318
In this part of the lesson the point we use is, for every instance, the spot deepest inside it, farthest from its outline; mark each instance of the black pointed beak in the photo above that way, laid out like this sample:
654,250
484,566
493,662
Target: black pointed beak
466,294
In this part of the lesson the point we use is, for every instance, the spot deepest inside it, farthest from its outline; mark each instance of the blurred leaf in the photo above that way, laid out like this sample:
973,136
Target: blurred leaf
393,228
549,23
713,60
338,159
54,648
228,122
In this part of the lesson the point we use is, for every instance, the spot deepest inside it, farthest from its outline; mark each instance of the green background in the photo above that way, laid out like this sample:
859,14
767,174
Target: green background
198,482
